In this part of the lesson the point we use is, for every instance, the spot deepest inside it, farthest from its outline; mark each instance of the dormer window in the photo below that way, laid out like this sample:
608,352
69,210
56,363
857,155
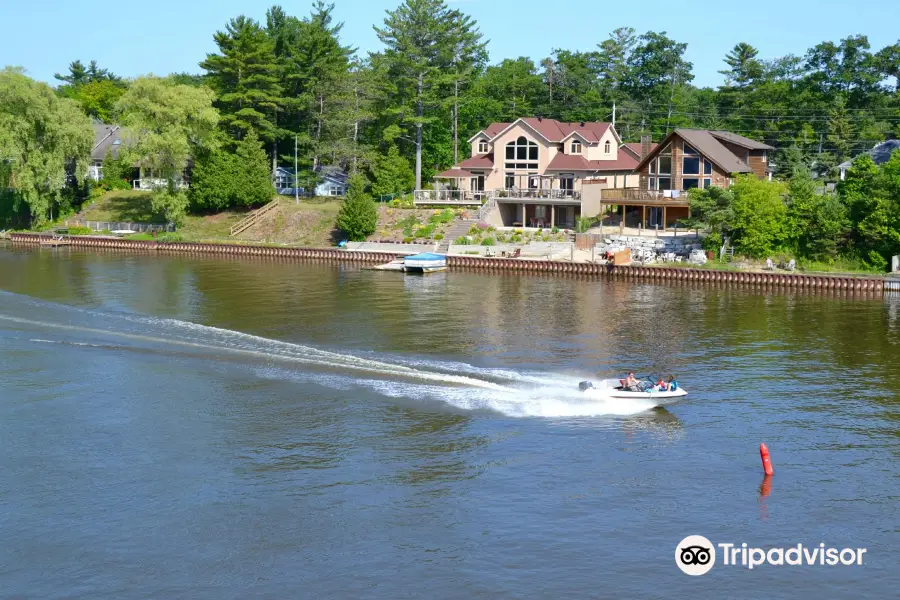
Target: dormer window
482,147
606,147
576,147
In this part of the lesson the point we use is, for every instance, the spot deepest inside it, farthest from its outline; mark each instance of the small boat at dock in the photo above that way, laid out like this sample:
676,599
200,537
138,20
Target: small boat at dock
426,262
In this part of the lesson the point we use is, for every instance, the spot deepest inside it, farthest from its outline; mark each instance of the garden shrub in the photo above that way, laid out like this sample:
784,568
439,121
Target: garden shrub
80,230
488,241
438,237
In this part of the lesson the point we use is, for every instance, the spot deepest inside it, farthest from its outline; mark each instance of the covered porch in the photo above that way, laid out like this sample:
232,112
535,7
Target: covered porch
540,214
454,186
647,209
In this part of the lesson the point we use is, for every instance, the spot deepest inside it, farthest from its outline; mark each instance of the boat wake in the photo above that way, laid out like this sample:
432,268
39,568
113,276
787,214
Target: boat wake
456,384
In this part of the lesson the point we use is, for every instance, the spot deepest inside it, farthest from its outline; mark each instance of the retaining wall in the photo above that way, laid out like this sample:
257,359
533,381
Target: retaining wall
769,280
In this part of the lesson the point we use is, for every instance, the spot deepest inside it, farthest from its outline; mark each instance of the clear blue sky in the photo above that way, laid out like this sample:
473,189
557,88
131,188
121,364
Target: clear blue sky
164,36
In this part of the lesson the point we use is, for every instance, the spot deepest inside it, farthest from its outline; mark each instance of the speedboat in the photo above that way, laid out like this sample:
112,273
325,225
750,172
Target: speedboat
612,388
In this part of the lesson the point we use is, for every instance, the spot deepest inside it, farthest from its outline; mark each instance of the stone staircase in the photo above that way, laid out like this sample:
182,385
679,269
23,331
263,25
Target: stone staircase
457,229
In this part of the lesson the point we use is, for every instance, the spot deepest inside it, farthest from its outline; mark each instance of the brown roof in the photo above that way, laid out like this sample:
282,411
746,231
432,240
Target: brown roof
740,140
634,148
452,173
555,131
482,161
576,162
706,144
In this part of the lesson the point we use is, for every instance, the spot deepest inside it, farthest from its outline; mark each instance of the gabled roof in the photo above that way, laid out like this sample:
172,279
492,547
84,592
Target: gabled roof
576,162
740,140
551,130
332,173
492,130
452,174
108,139
634,149
706,144
482,161
881,153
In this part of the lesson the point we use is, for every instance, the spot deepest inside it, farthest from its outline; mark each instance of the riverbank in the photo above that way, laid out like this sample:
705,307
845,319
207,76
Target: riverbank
649,273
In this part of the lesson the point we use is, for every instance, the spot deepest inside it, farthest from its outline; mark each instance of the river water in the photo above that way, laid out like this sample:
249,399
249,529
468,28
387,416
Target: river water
213,428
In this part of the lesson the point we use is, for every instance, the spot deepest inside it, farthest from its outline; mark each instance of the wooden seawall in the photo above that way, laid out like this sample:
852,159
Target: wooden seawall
769,280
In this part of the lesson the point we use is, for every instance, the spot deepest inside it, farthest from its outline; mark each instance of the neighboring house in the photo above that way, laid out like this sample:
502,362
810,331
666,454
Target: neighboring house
332,182
109,140
687,159
881,153
536,170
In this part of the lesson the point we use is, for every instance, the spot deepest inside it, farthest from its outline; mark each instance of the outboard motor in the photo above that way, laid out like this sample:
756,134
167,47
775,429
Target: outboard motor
585,385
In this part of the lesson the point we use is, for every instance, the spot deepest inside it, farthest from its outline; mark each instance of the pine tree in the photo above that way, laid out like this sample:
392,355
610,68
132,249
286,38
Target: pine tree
245,77
392,174
358,217
427,44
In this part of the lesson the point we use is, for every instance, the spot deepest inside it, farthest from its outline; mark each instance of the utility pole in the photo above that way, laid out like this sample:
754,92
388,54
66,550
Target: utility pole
614,115
296,174
456,120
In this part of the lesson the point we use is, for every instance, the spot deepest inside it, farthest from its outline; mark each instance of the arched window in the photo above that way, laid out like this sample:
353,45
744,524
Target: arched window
521,155
482,146
606,147
576,147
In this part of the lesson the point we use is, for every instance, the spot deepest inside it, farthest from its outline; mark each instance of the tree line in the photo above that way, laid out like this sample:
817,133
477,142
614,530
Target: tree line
400,114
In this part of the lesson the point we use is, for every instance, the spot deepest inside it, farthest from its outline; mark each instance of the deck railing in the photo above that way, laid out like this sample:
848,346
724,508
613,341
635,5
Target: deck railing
667,197
253,218
449,197
537,194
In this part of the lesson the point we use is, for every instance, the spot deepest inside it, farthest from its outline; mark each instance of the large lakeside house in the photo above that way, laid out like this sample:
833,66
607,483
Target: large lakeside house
535,171
538,172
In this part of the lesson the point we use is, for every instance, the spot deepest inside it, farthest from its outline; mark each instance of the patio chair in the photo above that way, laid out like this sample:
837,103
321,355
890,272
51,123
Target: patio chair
770,265
515,254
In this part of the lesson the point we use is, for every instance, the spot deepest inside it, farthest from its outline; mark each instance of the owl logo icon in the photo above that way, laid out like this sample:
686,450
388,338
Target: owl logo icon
695,555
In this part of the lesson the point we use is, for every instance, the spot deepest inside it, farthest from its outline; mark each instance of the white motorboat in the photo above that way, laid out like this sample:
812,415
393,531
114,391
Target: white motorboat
612,388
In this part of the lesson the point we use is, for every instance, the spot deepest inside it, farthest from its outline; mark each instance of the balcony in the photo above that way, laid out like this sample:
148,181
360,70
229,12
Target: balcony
644,197
449,197
536,194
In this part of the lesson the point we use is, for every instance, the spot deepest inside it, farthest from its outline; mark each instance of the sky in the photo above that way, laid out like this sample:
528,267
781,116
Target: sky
166,36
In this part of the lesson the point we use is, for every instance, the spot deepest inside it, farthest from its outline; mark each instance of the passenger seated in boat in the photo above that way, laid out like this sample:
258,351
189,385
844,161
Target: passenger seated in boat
631,383
670,385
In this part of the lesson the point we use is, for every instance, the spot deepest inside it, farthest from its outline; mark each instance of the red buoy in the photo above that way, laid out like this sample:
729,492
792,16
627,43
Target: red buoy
766,462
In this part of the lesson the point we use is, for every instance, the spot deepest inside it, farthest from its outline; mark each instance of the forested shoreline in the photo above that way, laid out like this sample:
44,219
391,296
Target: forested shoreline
286,79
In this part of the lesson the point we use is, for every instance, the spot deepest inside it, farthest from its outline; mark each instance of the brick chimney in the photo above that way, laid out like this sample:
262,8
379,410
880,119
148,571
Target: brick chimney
645,146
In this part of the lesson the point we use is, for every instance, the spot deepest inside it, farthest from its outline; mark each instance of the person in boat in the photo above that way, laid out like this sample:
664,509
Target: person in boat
669,385
631,383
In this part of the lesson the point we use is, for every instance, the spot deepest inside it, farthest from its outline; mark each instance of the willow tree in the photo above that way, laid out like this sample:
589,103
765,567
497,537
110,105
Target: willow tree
166,123
43,139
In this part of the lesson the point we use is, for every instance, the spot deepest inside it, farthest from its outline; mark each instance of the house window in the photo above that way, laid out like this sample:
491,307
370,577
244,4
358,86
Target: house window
510,181
690,165
521,151
707,183
540,211
576,147
482,146
690,183
665,165
652,184
606,147
665,183
688,150
764,156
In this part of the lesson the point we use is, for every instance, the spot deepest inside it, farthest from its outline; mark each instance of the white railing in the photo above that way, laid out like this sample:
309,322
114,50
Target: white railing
486,209
148,185
537,194
448,197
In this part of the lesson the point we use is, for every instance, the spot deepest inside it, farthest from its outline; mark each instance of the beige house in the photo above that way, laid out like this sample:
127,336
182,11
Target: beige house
534,172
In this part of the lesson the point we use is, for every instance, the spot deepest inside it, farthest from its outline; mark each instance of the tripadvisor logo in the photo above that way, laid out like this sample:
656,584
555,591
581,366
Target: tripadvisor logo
696,555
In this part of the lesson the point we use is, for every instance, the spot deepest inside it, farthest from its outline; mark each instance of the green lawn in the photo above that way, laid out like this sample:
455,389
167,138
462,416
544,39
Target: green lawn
127,205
